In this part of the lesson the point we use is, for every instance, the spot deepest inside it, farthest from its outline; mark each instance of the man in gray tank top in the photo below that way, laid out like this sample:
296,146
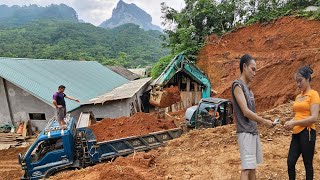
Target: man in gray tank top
247,119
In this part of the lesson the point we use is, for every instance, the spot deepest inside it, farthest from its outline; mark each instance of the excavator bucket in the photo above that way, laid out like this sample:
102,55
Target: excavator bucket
165,97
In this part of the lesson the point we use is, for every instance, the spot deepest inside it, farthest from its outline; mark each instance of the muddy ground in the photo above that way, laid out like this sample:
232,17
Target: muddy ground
204,154
9,166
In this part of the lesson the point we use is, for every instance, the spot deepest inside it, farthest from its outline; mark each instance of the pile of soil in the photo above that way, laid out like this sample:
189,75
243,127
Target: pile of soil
170,95
279,47
214,153
9,166
134,167
138,124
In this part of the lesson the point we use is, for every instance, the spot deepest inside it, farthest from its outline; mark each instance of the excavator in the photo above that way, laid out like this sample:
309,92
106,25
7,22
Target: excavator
163,96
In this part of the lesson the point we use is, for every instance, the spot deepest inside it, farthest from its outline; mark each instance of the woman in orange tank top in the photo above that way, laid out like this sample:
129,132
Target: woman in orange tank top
306,110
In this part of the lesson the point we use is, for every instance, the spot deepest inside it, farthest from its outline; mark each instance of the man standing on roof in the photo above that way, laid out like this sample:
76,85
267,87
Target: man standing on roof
60,104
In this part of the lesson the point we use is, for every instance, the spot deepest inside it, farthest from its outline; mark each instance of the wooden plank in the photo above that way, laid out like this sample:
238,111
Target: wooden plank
4,146
22,138
29,130
182,94
9,134
7,138
196,88
24,130
198,97
8,143
193,94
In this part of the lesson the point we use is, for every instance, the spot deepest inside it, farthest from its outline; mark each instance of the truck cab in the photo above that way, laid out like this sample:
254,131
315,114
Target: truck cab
75,146
53,150
210,112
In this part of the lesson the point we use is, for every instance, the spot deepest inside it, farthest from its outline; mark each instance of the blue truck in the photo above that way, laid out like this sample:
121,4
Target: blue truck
75,146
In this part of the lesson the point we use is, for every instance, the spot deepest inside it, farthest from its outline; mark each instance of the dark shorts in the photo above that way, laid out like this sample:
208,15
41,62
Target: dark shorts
61,114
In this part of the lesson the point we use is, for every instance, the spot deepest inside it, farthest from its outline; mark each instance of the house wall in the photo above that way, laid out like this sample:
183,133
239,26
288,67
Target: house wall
112,109
4,110
21,104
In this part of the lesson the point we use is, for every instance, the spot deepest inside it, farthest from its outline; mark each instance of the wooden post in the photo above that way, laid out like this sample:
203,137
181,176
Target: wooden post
188,85
196,88
179,81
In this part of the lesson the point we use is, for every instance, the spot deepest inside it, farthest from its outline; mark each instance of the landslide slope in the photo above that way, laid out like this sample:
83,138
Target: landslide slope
279,47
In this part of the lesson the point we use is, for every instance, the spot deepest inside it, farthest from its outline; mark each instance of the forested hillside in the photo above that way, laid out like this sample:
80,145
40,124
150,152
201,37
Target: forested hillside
16,15
126,45
54,32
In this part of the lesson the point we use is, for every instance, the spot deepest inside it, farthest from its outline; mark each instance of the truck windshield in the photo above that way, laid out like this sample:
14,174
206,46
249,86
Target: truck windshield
44,147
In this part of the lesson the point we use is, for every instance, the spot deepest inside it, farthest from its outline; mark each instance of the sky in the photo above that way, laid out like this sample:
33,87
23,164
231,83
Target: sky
97,11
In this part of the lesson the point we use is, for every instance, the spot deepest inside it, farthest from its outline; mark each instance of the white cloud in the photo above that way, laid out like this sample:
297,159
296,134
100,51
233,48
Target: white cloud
96,11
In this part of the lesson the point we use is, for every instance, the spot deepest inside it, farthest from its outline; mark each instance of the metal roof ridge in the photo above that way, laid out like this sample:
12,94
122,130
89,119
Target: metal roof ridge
33,59
123,86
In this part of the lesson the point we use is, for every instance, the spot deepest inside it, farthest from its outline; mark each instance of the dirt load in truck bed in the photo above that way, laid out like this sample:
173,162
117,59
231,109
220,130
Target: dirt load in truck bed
138,124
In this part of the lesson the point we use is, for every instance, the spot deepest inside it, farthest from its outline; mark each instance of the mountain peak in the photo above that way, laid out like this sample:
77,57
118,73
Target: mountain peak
121,2
129,13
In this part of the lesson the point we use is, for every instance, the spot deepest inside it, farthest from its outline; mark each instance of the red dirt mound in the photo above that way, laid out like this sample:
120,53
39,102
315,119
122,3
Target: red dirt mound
279,47
138,124
133,167
9,166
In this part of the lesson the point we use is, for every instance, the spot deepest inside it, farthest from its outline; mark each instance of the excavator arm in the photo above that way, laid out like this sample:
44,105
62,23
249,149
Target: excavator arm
161,97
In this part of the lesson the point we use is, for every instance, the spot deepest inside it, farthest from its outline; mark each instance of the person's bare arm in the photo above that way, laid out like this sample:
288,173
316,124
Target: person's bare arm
241,100
54,102
307,121
71,98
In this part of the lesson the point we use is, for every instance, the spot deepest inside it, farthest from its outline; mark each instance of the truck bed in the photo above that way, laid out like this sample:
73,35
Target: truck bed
105,150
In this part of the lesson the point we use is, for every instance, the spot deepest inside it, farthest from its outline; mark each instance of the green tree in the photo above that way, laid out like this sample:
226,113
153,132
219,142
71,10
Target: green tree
160,66
197,20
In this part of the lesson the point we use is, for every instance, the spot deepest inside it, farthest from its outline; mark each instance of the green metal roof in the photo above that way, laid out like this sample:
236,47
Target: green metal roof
84,80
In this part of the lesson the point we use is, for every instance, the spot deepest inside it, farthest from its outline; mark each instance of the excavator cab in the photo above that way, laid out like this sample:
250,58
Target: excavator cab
210,112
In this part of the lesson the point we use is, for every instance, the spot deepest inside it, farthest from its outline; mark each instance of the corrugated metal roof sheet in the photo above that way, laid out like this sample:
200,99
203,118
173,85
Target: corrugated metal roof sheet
122,92
40,77
124,72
